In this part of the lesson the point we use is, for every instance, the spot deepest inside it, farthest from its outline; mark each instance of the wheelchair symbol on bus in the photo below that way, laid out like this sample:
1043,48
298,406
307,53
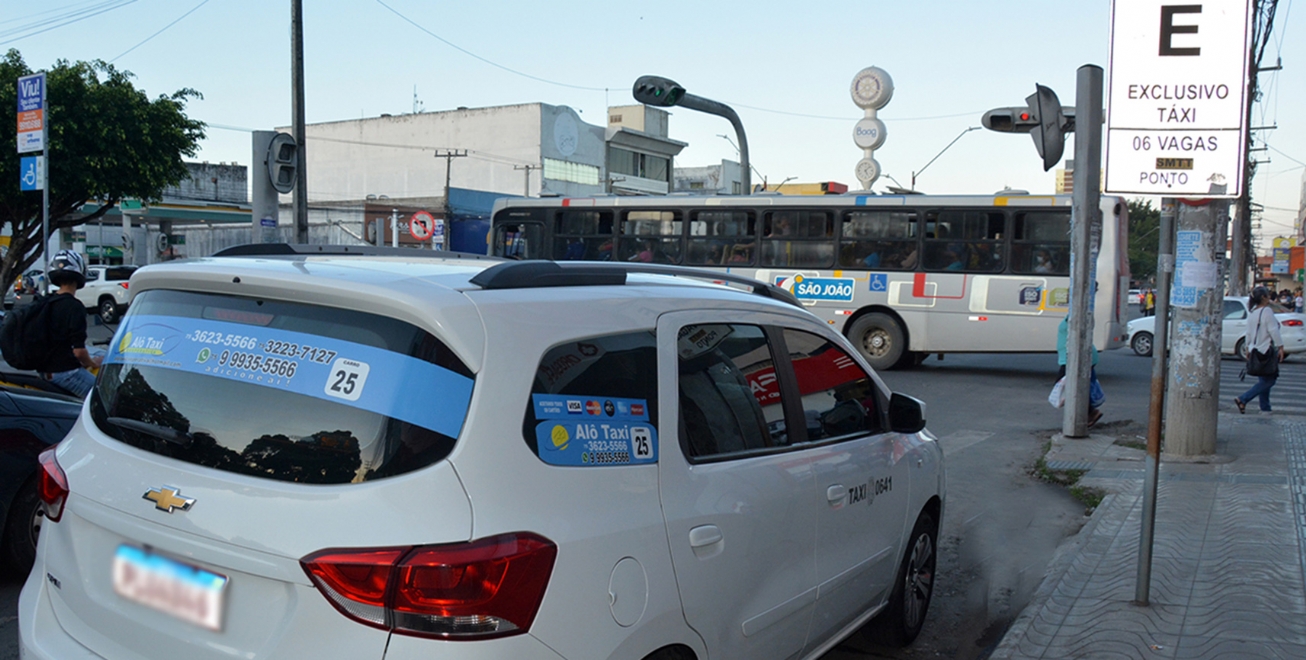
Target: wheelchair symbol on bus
879,282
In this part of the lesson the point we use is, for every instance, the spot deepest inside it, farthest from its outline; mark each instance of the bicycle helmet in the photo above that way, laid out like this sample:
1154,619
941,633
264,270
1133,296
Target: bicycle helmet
67,266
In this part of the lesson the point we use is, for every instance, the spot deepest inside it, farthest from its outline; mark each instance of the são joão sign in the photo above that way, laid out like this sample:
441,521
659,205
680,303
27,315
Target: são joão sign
1176,100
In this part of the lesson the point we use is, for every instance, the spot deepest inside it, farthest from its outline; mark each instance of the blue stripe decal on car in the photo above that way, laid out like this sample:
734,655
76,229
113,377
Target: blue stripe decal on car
348,373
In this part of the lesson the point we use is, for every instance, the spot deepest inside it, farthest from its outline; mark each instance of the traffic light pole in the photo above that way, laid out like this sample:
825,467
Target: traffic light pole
1085,215
664,93
297,98
722,110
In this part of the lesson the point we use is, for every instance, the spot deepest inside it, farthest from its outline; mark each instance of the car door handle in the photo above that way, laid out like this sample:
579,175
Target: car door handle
704,535
836,493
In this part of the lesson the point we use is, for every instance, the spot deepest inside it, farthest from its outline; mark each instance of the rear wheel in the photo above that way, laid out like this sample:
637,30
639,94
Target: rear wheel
880,340
23,527
108,310
1142,343
903,618
1241,349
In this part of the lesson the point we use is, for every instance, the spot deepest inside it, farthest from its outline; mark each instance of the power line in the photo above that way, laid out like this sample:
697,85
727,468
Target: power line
42,13
608,89
55,22
1271,147
491,63
146,39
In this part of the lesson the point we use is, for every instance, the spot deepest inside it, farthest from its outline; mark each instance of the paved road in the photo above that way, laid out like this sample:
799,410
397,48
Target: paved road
1001,526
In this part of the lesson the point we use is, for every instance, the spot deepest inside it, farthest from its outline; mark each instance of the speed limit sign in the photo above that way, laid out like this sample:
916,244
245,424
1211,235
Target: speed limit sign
422,226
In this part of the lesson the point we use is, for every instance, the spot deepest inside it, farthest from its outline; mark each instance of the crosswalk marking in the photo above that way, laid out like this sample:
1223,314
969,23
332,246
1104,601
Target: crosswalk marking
1288,395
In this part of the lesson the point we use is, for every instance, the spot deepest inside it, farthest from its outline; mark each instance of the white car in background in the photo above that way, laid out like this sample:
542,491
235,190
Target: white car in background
1292,326
404,455
106,292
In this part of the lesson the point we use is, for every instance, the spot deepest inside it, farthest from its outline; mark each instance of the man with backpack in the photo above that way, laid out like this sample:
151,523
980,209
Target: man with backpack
68,361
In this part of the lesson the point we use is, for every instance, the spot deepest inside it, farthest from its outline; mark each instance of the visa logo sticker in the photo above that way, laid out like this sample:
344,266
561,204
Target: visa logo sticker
575,407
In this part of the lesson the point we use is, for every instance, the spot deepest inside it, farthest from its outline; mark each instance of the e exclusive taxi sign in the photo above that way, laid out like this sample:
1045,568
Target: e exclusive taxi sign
1176,101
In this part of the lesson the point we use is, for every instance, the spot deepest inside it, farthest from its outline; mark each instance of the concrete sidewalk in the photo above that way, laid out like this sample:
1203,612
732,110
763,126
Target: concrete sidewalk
1227,568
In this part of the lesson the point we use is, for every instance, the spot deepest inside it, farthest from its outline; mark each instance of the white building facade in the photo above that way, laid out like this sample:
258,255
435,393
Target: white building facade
528,149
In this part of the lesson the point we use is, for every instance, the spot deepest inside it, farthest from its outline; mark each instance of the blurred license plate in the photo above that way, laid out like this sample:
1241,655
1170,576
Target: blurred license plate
189,593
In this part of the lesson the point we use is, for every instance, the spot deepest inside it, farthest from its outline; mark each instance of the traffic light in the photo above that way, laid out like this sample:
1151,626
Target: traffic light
1043,118
283,158
657,91
1049,139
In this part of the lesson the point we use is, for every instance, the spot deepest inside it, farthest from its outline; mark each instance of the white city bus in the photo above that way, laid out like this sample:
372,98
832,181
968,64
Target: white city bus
901,276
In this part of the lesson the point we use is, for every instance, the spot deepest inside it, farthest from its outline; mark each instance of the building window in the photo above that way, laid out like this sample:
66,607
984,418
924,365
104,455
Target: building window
645,166
562,170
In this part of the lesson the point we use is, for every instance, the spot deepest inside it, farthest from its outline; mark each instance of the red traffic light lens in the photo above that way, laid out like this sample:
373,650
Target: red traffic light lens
1024,116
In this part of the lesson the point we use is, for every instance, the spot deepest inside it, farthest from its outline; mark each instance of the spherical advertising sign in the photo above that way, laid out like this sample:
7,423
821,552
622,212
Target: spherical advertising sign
872,88
869,133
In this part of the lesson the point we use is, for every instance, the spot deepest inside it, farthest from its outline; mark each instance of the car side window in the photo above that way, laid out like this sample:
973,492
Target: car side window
610,380
838,397
730,401
92,275
1234,310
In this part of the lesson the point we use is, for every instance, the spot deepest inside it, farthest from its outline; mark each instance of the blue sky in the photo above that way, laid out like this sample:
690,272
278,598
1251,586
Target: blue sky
786,68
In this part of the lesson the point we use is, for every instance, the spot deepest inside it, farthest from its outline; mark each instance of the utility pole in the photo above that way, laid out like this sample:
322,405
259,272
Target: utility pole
448,156
1242,257
526,192
1086,213
297,109
1197,303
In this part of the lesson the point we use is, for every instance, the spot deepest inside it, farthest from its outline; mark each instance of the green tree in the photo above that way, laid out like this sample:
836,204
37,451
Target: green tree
107,141
1144,239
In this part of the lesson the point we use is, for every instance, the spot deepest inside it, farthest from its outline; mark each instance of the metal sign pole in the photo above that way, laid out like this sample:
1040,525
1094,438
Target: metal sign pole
1160,353
45,189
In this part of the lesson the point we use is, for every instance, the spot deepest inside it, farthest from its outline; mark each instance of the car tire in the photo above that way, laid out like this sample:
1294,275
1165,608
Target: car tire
913,589
879,339
22,528
1240,349
1142,343
108,310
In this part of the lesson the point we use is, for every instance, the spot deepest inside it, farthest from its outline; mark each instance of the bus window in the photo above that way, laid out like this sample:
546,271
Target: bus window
519,241
798,238
721,238
1041,243
879,240
965,241
651,237
581,234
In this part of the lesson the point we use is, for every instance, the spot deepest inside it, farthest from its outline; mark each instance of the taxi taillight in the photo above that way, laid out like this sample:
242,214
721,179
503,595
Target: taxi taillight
490,587
53,486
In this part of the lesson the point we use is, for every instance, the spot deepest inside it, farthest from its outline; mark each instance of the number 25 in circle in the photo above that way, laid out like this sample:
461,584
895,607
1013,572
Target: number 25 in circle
346,379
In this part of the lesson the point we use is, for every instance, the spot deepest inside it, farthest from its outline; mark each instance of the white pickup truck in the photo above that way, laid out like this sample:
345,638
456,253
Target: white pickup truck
106,291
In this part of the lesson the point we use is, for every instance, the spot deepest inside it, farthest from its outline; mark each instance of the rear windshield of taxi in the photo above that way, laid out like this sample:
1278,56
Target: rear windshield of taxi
280,390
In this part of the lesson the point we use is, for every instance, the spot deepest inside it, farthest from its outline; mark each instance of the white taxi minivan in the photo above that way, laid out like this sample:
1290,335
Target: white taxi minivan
340,452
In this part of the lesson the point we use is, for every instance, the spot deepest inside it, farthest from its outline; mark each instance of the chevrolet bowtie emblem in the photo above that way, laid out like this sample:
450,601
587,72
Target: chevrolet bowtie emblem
167,499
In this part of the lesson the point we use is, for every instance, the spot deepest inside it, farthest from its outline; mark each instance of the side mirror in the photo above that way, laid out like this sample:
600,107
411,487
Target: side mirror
906,414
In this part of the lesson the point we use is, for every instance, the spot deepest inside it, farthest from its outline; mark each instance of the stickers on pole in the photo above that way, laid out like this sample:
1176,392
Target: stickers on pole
590,431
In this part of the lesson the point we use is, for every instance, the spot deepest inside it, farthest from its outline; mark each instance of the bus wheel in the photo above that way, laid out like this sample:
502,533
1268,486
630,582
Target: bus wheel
879,338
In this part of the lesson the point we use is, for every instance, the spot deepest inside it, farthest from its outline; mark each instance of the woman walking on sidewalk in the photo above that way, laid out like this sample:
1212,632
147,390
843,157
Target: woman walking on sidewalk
1262,336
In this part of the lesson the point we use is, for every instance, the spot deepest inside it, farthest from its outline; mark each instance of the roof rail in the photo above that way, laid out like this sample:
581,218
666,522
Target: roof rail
540,273
291,249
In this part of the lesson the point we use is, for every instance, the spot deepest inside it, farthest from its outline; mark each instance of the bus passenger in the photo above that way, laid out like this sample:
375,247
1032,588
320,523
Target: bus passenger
645,255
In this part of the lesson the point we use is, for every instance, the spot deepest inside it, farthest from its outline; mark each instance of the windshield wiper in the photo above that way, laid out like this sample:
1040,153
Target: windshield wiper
159,431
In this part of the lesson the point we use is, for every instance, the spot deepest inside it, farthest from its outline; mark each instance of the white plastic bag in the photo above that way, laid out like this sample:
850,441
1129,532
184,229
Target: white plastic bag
1057,397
